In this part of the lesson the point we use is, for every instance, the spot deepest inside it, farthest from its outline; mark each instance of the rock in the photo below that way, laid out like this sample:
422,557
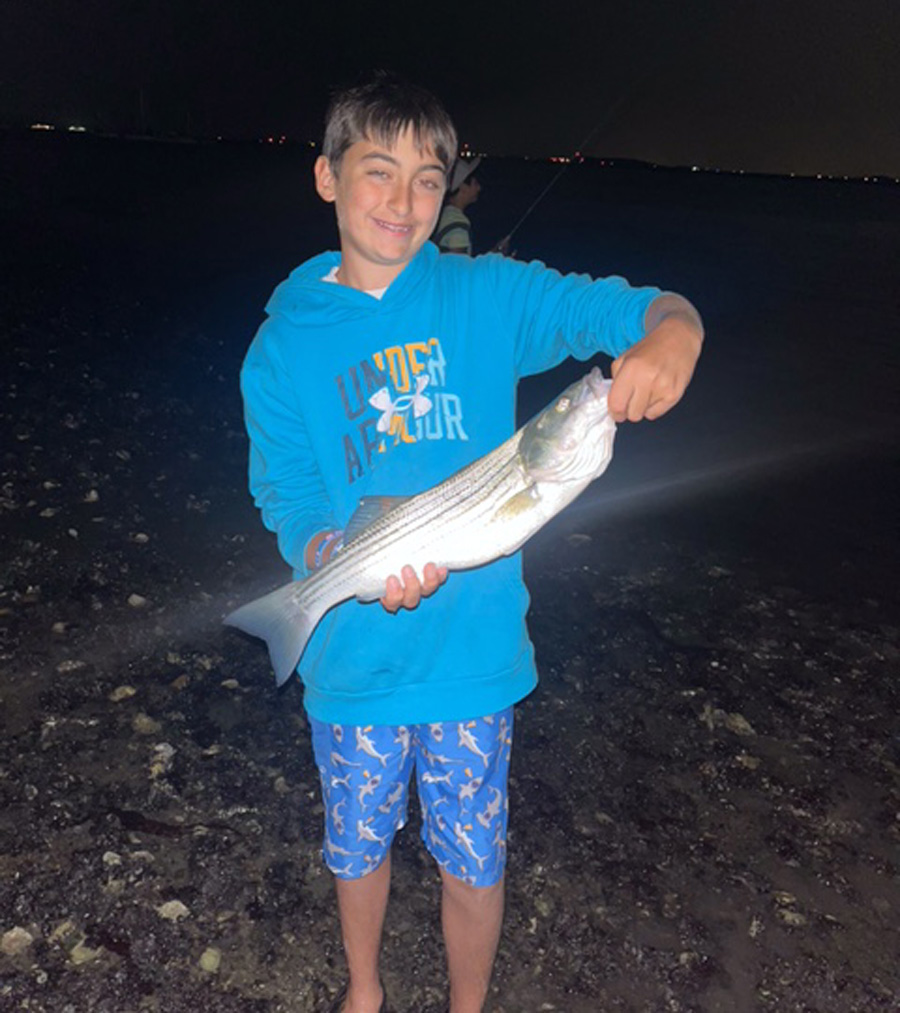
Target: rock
577,540
230,684
173,911
110,858
715,717
81,954
137,601
738,724
141,538
790,917
121,693
15,941
210,960
63,932
70,666
162,760
92,496
143,724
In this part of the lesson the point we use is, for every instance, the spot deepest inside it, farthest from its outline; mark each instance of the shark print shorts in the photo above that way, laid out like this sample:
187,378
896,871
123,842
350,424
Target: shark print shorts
461,773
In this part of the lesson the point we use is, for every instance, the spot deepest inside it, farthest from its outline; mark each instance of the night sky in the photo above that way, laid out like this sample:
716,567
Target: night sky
804,86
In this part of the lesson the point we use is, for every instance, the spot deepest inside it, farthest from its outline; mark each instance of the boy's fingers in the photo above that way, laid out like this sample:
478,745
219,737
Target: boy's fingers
432,578
393,594
619,394
407,590
412,589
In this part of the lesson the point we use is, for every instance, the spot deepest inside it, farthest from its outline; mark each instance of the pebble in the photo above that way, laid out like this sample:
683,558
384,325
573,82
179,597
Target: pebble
162,759
81,954
137,601
92,496
790,917
15,941
173,911
141,538
738,724
578,539
70,666
210,959
121,693
143,724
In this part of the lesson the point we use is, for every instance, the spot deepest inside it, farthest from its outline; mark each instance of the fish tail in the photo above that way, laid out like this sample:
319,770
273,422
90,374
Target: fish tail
282,622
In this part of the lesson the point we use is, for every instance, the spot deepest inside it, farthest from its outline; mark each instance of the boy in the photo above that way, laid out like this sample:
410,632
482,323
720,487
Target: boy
383,369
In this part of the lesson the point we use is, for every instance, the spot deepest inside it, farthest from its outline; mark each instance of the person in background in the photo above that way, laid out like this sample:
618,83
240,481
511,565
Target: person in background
454,230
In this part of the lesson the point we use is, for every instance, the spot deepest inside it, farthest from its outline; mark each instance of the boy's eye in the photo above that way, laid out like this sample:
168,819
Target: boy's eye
379,173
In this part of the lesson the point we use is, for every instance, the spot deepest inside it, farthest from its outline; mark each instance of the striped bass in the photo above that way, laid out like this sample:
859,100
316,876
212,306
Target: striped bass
487,509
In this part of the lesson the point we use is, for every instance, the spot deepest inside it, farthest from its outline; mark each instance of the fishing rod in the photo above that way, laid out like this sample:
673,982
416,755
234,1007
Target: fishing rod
556,178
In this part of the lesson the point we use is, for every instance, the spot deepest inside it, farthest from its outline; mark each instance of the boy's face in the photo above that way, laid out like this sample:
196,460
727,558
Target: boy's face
387,201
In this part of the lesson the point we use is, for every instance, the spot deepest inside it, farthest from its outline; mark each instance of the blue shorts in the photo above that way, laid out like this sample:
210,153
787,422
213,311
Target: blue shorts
461,774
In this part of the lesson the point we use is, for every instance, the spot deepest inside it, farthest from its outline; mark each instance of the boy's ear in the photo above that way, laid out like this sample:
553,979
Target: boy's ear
325,179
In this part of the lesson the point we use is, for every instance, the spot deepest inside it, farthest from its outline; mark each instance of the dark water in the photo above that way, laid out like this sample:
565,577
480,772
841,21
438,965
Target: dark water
705,786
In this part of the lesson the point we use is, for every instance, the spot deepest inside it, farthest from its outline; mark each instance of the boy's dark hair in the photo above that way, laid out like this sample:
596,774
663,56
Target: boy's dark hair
380,109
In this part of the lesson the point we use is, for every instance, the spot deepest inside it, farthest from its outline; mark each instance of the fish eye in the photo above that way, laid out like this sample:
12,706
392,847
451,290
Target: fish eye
562,405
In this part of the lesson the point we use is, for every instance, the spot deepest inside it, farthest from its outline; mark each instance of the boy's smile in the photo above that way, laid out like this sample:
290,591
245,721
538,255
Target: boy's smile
387,201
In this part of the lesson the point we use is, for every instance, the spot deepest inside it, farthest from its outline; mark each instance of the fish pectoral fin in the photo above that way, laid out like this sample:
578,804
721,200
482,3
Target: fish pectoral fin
513,512
523,502
370,509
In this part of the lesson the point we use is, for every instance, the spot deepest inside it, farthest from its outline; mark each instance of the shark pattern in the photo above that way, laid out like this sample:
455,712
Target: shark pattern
364,807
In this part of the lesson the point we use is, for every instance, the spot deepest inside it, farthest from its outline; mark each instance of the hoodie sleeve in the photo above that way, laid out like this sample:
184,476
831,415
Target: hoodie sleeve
285,480
552,316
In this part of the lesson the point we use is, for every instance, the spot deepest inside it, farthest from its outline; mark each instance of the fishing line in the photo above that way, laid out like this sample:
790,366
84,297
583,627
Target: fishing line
562,171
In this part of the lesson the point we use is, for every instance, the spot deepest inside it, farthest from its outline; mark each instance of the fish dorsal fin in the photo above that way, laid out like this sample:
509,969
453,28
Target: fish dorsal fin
370,510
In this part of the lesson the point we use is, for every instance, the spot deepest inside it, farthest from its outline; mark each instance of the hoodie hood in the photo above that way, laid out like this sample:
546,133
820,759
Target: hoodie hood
303,295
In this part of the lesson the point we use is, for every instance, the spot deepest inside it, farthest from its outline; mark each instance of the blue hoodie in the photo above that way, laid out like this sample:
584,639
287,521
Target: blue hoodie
347,396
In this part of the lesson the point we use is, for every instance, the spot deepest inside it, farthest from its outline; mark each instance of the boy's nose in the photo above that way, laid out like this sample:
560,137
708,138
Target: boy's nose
400,201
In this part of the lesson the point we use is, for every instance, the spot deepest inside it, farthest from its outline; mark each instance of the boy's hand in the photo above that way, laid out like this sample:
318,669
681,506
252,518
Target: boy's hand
408,591
652,375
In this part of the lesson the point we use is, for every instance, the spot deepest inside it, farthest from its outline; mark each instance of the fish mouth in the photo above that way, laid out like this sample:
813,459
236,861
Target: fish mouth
593,387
